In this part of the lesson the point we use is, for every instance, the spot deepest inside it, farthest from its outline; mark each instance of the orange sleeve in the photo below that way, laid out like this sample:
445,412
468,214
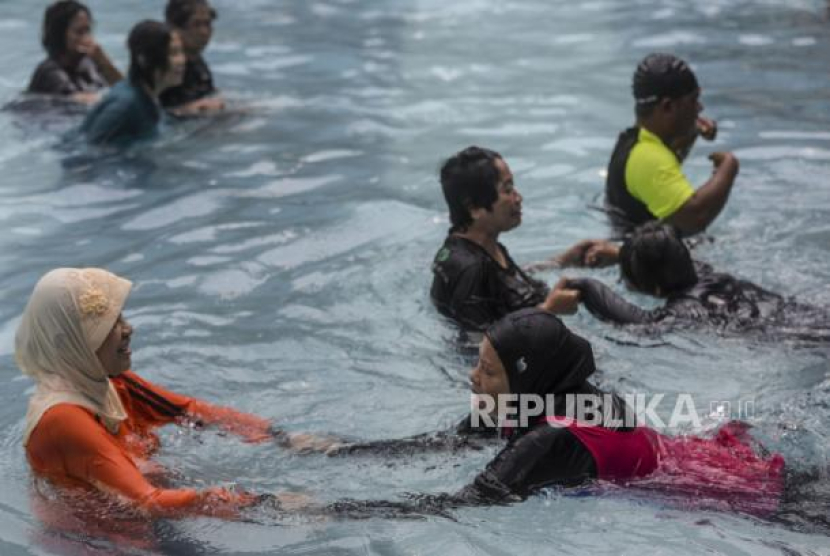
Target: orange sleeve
160,406
69,442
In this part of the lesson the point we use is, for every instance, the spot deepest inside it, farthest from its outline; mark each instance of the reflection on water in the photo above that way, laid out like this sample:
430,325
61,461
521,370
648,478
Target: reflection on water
281,252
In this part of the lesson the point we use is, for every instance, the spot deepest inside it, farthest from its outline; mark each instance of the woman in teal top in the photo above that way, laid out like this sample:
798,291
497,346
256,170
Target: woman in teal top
130,111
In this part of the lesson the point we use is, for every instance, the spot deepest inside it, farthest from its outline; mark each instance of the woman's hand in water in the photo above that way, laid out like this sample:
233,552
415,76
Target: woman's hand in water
88,98
306,443
562,300
286,501
199,107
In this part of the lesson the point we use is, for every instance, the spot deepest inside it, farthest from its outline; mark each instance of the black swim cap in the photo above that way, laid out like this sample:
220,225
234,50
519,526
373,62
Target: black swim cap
662,76
540,354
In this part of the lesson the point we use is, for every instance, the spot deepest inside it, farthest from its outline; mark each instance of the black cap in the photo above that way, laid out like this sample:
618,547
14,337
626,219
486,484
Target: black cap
662,76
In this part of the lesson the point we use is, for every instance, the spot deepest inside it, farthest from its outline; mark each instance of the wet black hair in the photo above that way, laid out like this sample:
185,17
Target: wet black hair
56,21
179,12
469,179
660,76
653,259
149,44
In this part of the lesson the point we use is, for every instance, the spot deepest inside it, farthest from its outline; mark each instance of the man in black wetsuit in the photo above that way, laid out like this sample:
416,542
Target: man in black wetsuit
193,20
475,281
645,181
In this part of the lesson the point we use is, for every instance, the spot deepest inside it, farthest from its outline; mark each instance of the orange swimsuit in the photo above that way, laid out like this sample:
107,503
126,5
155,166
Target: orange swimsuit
72,449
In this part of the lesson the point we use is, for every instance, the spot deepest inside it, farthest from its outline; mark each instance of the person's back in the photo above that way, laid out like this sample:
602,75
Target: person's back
624,210
125,114
724,300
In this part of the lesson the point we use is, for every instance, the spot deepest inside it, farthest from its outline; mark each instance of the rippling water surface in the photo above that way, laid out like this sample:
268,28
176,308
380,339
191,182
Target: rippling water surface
281,253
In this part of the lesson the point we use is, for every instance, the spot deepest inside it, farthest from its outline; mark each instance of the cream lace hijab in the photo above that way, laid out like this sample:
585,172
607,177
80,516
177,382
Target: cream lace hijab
70,314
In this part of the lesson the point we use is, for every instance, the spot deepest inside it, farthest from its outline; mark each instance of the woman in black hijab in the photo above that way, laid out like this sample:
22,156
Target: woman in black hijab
533,380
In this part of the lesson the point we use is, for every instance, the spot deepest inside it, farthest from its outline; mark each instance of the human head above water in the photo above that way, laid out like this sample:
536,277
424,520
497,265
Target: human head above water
69,318
539,354
654,260
661,76
152,46
193,19
469,180
61,30
667,97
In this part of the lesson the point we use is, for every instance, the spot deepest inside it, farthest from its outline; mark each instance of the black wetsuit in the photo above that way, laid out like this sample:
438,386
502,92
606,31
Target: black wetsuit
471,288
540,355
462,436
729,303
197,83
624,211
50,78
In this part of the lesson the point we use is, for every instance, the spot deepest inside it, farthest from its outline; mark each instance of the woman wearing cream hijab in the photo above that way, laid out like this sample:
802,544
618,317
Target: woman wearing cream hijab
90,420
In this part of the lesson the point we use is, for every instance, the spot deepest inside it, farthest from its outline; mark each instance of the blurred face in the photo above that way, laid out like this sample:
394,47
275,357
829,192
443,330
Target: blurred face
197,31
489,377
115,354
173,75
78,34
506,212
687,109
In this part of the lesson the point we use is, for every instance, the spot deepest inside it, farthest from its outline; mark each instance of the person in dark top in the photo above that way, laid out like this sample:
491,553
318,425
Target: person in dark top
645,181
533,378
130,111
655,260
193,20
76,66
475,281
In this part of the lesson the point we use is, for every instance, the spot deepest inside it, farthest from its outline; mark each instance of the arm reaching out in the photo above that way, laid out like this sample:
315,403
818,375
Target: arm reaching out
606,305
592,253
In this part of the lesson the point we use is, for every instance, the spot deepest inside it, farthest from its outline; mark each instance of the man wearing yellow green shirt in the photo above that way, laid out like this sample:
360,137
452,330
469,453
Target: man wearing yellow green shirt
645,181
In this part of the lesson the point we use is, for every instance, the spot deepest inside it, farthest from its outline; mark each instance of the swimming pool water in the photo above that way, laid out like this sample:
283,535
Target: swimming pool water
281,252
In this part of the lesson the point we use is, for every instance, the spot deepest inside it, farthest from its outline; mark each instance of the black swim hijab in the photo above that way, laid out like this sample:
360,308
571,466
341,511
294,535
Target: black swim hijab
662,76
540,354
543,357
